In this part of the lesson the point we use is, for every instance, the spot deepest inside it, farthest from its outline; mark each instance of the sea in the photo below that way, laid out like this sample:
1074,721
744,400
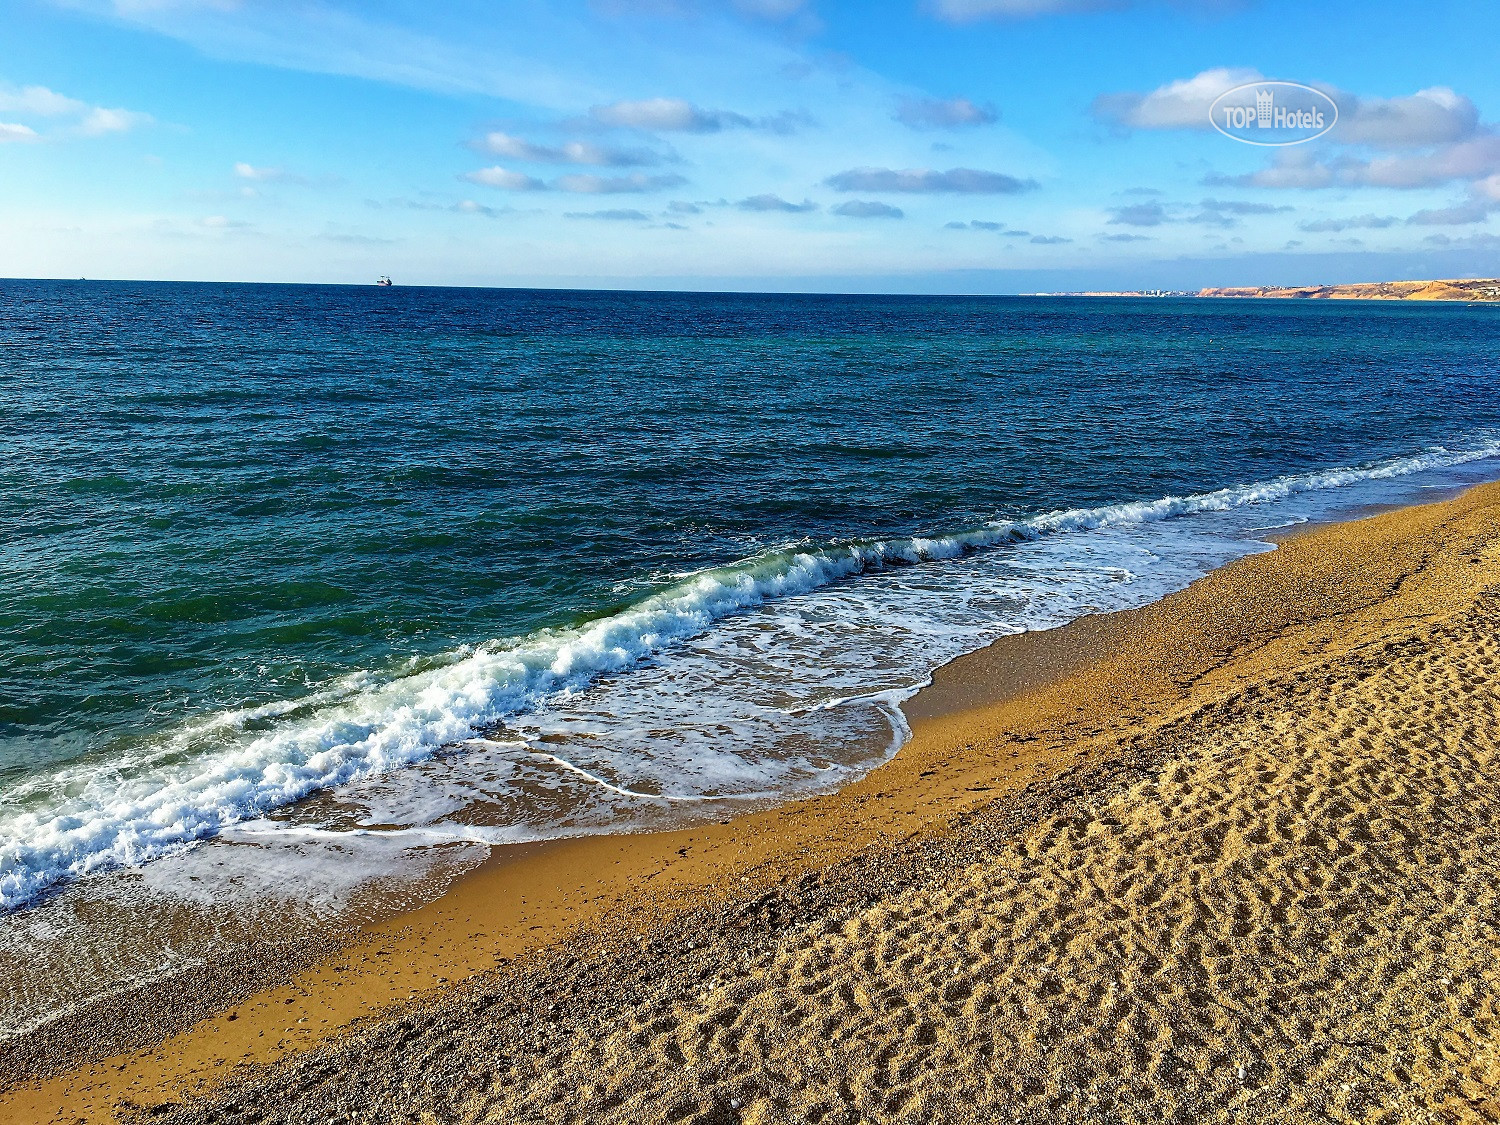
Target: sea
313,596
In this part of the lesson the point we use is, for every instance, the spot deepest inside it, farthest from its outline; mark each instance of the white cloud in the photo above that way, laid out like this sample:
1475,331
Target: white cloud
273,174
678,115
966,181
262,175
1139,215
498,177
1183,104
90,121
38,101
11,133
1241,207
1442,124
1472,159
1483,201
769,202
348,238
99,122
1483,241
939,113
667,115
1475,159
571,152
471,207
1291,168
1223,213
615,214
1433,116
1358,222
461,207
1429,117
616,185
1461,214
582,184
1436,135
868,209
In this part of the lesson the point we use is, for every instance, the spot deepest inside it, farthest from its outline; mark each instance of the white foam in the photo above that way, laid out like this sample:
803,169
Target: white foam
215,773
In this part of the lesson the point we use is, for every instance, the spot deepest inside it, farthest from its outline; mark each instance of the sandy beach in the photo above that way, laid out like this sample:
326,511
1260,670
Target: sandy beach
651,562
1231,856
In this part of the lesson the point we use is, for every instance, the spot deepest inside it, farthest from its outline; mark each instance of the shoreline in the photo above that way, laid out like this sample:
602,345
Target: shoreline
1016,727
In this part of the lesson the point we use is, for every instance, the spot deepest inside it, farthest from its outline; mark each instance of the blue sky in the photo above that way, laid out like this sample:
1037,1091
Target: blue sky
904,145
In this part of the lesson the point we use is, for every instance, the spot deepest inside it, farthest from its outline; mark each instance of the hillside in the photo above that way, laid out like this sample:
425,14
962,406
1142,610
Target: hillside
1478,289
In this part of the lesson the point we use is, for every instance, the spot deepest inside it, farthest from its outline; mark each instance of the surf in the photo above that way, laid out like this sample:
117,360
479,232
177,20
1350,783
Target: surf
243,763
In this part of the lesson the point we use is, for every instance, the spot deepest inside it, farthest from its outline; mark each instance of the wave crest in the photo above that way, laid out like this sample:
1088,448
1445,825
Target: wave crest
77,820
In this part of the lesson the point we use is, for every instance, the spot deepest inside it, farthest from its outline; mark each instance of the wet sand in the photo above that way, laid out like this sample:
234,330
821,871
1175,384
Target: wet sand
1229,856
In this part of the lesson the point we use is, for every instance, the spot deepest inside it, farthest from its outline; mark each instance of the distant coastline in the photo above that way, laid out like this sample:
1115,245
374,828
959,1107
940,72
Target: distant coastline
1460,289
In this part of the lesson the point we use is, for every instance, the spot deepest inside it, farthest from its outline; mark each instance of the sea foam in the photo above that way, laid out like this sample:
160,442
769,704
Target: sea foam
241,764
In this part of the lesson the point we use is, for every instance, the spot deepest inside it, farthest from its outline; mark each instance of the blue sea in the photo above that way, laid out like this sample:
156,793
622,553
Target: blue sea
360,574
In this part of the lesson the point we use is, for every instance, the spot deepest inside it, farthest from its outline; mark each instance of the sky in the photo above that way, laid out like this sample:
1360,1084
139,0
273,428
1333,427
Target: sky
949,146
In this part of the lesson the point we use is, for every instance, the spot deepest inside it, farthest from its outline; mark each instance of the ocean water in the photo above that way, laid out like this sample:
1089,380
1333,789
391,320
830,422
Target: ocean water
343,576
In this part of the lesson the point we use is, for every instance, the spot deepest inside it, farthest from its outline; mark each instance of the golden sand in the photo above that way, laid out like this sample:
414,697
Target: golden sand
1294,915
1228,857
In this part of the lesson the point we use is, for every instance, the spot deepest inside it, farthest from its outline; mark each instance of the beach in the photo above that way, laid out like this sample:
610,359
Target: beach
1226,856
764,561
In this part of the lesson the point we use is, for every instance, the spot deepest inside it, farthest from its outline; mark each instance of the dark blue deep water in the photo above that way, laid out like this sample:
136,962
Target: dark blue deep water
260,541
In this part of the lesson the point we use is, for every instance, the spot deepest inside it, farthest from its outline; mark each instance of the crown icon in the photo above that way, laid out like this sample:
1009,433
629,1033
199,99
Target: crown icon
1263,101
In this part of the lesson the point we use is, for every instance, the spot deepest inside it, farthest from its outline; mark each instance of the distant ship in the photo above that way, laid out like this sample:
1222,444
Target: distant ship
383,281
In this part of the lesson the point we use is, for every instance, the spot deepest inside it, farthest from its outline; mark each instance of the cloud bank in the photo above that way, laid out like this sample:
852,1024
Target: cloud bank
868,209
938,113
508,179
960,181
1180,104
770,202
677,115
570,152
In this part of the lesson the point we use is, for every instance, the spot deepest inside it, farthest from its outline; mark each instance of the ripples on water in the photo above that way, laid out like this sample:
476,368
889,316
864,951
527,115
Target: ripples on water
365,580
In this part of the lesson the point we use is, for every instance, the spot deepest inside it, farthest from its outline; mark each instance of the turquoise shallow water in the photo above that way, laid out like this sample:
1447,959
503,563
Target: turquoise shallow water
503,564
